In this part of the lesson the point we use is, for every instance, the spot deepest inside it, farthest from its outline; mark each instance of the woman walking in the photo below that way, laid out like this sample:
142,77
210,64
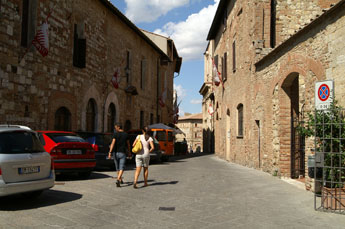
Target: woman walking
142,158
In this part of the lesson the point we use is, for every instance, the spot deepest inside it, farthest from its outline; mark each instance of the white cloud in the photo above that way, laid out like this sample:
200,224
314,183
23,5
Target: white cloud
149,10
190,35
181,92
196,101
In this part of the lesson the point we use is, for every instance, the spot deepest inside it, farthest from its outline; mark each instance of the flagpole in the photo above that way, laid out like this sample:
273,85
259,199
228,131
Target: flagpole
30,45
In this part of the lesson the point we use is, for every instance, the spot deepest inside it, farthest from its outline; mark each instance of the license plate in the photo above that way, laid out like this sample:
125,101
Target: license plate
29,170
74,151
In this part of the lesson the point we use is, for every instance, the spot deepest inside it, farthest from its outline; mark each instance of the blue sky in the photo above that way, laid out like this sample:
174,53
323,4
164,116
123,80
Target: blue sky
187,22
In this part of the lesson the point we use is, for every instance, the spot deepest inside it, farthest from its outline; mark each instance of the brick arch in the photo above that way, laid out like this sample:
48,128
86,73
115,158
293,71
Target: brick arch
60,99
92,93
300,64
294,65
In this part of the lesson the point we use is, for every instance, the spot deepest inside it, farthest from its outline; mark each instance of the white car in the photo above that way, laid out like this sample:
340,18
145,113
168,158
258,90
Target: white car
25,167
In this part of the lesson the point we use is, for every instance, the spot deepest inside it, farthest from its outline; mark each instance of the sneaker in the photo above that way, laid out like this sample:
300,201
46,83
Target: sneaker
118,183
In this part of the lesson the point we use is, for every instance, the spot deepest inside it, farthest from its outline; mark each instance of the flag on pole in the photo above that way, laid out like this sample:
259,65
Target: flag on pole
115,80
41,40
163,97
216,74
176,111
210,109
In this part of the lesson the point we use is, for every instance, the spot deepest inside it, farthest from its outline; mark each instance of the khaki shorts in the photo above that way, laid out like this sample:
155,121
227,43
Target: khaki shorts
142,161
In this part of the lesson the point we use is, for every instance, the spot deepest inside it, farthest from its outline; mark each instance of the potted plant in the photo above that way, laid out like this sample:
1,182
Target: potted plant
328,129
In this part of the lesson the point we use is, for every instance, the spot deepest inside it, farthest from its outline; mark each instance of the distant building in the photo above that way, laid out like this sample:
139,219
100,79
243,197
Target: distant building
70,88
191,125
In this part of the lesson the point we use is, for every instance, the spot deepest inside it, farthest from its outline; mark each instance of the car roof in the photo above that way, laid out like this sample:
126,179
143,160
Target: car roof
55,131
8,128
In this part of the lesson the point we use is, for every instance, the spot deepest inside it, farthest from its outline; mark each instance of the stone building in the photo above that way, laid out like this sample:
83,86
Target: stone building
270,54
70,89
191,126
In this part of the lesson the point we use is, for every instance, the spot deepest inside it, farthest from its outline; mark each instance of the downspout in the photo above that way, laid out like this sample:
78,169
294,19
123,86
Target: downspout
157,97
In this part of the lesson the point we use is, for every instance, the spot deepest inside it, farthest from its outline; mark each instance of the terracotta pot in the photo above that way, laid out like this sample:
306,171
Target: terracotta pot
333,198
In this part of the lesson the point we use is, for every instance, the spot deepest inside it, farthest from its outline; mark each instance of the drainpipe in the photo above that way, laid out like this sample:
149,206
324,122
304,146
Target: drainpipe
157,98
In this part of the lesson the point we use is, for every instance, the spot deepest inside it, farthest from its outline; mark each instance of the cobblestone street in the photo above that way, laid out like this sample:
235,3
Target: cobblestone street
196,192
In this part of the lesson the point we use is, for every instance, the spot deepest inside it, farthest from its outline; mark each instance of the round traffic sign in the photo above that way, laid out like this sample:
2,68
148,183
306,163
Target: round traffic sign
323,92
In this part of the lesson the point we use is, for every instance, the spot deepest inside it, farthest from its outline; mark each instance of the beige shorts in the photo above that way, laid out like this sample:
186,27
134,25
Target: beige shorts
142,161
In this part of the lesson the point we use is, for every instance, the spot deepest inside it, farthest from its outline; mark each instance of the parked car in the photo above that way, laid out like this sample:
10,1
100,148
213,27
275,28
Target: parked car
25,167
100,143
156,154
71,153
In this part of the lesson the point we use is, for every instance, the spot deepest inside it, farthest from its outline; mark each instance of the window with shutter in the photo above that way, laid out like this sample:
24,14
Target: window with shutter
224,68
79,48
234,56
29,17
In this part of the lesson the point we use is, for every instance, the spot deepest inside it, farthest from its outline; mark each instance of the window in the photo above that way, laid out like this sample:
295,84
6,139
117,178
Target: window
234,56
62,119
111,117
273,24
151,118
143,74
240,120
19,142
158,118
196,135
224,67
91,116
128,67
79,46
196,125
29,11
141,119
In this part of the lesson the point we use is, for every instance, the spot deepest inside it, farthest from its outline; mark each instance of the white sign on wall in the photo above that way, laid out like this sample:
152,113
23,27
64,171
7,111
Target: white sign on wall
324,94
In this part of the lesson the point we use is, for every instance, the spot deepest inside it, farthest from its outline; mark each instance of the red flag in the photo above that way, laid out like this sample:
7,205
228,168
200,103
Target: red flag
210,109
41,40
162,98
115,80
216,74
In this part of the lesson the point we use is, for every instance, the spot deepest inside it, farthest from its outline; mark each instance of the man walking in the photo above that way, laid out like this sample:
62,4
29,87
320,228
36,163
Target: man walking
120,138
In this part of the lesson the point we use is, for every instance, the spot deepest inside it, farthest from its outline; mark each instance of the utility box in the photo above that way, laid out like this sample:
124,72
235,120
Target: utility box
315,161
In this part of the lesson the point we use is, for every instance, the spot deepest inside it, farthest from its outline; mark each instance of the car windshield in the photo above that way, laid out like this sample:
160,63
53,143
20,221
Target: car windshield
160,135
19,142
65,137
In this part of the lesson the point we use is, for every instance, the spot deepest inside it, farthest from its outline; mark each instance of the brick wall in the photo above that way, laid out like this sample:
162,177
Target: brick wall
279,84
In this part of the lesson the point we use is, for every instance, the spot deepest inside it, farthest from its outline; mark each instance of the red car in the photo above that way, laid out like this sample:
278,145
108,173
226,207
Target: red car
70,152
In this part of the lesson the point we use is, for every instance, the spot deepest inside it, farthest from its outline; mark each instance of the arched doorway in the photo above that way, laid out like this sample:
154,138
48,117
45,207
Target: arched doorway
62,119
111,116
290,119
91,112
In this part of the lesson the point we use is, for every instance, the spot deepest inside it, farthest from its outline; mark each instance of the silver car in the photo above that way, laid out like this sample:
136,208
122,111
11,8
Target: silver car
25,167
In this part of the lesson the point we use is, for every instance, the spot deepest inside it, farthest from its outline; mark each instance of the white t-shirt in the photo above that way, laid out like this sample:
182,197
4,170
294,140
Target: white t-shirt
146,145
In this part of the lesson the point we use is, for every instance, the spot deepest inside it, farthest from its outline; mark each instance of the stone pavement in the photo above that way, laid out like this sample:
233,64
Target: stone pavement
196,192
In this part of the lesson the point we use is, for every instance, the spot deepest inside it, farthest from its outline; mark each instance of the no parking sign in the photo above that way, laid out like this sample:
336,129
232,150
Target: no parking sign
324,94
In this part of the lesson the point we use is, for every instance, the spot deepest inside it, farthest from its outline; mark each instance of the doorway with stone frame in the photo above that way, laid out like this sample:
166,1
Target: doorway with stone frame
292,153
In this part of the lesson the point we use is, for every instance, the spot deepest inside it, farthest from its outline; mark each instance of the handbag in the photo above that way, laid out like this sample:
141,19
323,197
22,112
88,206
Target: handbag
137,147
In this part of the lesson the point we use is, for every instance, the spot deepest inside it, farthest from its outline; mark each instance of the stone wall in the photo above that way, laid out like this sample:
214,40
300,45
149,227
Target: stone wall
34,87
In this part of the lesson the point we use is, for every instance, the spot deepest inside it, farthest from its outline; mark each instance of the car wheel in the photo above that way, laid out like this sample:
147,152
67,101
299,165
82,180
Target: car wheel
84,175
33,194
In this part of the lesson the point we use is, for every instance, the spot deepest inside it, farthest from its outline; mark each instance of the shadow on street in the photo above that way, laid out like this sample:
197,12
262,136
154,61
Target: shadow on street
47,198
74,176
